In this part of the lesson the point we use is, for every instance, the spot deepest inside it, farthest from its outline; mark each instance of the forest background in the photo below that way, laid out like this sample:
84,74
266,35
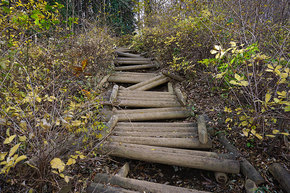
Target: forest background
55,53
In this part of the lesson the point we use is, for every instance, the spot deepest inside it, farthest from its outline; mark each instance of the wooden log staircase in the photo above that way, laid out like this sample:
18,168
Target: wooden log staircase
150,125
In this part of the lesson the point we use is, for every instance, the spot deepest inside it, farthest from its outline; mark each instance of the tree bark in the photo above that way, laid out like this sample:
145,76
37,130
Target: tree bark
281,175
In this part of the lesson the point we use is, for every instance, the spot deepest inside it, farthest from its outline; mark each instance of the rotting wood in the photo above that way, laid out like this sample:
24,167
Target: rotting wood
170,87
173,76
123,172
192,143
178,152
133,59
192,130
133,87
198,162
136,67
140,185
168,134
247,168
130,78
153,84
114,94
202,131
153,116
97,188
138,92
143,98
127,54
221,177
281,175
145,103
151,110
157,124
139,62
250,186
180,95
103,81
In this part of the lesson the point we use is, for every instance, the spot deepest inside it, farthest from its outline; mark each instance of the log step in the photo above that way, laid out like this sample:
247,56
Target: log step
171,156
156,124
132,59
191,143
136,62
165,134
152,114
125,77
123,54
136,67
145,103
138,185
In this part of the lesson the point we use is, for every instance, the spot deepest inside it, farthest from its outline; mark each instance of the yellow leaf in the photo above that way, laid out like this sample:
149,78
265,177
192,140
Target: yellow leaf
271,136
244,123
153,149
284,133
8,132
276,100
9,139
22,138
244,83
238,77
234,82
228,119
13,150
213,51
3,155
76,123
70,161
246,132
56,163
54,171
66,179
61,175
258,136
23,157
282,94
275,131
267,97
270,66
82,156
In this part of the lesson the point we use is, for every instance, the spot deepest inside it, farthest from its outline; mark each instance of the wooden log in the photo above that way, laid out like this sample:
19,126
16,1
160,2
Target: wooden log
202,131
173,76
170,88
110,125
123,49
157,124
181,98
103,81
164,134
134,74
143,98
140,185
184,160
153,84
133,87
148,94
114,94
250,186
246,167
133,59
157,129
153,116
150,110
140,62
138,92
136,67
220,177
130,77
123,172
281,175
127,55
152,103
97,188
163,142
163,150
